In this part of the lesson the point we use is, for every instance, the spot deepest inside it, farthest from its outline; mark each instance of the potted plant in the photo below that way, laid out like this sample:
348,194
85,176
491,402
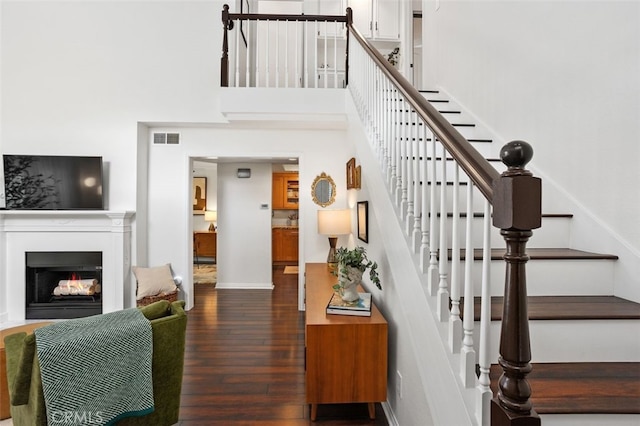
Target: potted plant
351,265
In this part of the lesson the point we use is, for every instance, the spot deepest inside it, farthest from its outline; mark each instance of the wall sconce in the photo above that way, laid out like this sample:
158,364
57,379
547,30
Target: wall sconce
333,223
211,216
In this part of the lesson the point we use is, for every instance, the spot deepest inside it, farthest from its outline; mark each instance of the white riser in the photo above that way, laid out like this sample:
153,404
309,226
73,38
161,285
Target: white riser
553,277
554,232
469,132
590,419
575,340
478,198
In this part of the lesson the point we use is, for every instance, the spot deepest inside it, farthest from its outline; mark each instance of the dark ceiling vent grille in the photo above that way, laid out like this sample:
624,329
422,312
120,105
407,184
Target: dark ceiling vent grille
166,138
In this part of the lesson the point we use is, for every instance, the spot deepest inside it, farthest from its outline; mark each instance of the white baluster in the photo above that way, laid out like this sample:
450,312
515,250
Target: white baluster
237,54
443,285
335,56
424,246
267,79
386,169
259,25
247,65
468,354
394,136
455,323
404,161
417,188
324,65
410,176
399,170
286,54
432,273
484,394
277,37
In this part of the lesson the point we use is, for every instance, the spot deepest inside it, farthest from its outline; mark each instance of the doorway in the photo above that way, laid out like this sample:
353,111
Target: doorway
241,201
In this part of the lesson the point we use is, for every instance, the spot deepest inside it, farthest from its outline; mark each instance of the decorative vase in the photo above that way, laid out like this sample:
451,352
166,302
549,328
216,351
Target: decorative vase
349,282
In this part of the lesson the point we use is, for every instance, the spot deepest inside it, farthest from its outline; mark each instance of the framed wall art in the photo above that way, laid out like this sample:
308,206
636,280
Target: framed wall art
363,221
351,173
199,195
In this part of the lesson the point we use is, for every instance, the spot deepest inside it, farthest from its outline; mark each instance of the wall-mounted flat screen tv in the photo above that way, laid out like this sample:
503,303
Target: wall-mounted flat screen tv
50,182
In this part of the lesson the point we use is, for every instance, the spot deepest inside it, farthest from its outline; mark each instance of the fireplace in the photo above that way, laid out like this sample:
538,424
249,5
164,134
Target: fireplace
64,231
61,285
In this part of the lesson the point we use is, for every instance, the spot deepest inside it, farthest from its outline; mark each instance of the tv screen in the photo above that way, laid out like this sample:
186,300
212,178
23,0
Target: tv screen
49,182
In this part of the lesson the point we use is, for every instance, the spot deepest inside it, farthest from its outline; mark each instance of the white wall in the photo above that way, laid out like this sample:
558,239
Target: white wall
562,75
318,150
244,227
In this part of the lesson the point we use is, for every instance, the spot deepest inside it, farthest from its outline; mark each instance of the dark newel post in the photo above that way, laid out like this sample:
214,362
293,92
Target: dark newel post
346,59
224,61
516,211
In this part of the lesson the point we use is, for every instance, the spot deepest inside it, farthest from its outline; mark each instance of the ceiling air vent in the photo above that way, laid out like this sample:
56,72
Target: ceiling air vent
166,138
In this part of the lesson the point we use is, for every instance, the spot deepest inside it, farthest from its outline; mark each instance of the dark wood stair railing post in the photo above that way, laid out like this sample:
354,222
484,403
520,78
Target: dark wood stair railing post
346,52
224,61
516,211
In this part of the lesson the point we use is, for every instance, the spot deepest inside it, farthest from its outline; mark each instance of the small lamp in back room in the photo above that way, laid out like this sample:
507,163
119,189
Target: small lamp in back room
211,216
333,223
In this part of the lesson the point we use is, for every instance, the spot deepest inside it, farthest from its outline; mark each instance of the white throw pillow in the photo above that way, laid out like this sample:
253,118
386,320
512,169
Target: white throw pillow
153,281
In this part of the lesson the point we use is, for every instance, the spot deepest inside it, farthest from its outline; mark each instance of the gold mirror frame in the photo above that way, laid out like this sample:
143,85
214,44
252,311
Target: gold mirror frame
323,190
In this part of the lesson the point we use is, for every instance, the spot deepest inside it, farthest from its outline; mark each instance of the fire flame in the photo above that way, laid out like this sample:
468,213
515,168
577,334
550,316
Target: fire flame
74,281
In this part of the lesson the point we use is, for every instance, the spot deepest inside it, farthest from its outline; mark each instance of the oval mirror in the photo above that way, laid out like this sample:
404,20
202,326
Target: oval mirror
323,190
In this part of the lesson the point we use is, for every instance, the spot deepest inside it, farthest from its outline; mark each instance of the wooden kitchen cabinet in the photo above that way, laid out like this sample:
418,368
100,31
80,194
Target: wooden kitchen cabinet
284,243
285,190
346,356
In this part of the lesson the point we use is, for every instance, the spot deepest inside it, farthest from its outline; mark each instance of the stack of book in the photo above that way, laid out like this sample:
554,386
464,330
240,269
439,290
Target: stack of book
360,307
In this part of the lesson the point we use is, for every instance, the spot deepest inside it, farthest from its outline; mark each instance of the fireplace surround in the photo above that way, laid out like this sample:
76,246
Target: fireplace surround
105,232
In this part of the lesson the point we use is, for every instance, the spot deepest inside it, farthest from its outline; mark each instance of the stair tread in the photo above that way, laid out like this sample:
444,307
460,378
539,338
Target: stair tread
567,308
544,253
582,388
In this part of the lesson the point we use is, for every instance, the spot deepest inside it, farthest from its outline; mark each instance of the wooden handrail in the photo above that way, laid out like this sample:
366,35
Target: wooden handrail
278,17
472,162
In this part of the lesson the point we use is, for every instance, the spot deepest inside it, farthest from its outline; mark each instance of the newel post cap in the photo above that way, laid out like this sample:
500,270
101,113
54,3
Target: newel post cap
517,195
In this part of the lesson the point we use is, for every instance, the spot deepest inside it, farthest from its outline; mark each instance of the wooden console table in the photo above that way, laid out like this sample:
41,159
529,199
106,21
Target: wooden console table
346,356
205,243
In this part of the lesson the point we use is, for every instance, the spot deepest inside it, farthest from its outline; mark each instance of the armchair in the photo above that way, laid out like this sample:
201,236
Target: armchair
168,324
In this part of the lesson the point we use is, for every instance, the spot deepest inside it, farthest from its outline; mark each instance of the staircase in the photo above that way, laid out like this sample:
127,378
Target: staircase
585,342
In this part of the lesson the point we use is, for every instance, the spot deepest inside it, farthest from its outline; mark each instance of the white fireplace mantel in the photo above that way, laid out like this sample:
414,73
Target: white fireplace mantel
23,231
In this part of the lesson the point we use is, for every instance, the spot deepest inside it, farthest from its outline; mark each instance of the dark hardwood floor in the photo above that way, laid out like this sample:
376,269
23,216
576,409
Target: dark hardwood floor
244,361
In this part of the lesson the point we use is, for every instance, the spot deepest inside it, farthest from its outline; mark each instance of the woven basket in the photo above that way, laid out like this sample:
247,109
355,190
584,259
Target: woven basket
147,300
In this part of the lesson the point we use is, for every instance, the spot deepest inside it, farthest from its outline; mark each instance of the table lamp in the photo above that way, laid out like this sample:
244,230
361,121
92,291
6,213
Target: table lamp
211,216
333,223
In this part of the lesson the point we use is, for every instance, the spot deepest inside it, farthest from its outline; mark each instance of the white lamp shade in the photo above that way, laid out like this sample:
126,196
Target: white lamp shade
334,222
210,215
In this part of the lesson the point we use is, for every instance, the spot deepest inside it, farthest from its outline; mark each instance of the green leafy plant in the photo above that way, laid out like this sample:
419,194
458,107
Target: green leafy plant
394,56
357,258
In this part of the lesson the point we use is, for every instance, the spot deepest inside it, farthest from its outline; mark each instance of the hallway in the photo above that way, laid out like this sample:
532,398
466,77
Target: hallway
244,361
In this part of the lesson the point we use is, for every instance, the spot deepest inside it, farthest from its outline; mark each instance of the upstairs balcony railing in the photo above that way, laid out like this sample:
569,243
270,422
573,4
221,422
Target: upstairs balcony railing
303,51
433,175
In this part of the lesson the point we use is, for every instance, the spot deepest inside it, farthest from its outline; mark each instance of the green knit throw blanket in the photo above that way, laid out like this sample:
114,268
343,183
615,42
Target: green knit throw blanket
96,370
